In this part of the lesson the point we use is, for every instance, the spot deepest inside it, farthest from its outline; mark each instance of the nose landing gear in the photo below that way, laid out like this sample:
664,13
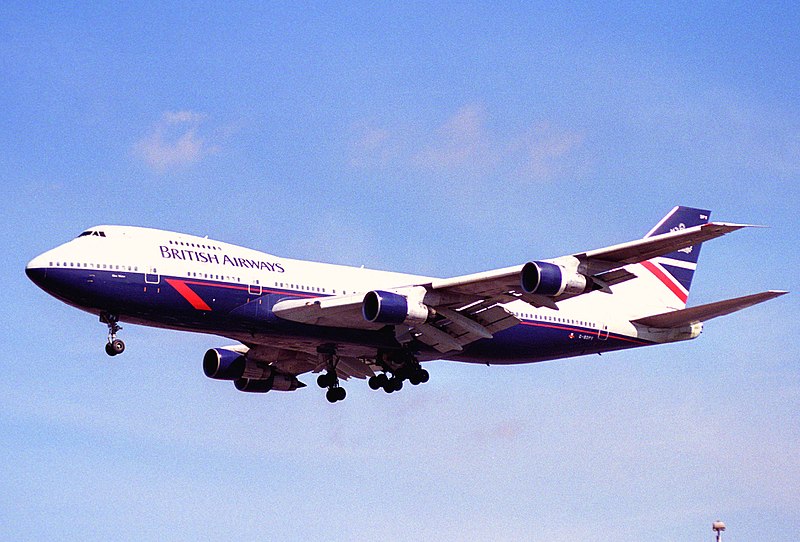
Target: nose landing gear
114,346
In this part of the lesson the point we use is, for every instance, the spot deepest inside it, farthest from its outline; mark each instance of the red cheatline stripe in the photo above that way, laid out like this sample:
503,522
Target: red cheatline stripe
189,294
586,331
660,275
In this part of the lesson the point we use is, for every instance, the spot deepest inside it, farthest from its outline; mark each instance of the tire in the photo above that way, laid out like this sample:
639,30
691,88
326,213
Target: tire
116,346
341,393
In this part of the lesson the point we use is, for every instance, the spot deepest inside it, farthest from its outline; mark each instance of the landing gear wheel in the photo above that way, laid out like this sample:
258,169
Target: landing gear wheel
335,394
325,381
374,382
114,346
330,378
117,346
393,384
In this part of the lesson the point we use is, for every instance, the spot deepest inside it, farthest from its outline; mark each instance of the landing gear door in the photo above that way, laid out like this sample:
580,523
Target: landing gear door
151,276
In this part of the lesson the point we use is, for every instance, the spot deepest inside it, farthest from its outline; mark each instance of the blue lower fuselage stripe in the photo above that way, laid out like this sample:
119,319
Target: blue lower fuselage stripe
238,309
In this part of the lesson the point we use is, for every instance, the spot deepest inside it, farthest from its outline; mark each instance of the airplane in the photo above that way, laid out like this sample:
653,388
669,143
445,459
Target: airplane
291,317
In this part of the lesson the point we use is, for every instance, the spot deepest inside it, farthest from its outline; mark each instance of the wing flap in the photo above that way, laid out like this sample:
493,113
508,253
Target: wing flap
702,313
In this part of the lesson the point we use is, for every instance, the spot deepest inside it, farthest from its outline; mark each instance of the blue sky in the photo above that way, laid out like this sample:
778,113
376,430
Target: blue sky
439,139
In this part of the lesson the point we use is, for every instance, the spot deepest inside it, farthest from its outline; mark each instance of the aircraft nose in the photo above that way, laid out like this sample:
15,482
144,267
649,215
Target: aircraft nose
36,271
36,274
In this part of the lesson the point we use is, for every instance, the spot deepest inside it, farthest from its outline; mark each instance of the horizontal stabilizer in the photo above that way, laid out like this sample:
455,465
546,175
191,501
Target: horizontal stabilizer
702,313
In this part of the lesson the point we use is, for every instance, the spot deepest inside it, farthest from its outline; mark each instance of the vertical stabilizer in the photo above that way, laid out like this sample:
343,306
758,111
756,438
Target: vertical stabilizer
676,270
662,284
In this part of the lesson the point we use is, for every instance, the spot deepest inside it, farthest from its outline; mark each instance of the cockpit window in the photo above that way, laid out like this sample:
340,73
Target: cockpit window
94,233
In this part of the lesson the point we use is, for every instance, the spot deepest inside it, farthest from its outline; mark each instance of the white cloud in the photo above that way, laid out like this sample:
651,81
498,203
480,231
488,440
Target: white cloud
546,151
461,142
464,145
372,147
174,141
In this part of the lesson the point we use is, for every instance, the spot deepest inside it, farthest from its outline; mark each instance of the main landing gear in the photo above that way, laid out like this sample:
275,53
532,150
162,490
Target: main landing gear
114,346
330,380
410,370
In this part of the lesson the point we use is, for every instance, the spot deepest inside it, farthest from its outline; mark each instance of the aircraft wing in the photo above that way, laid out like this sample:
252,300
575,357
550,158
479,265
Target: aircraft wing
651,247
603,265
449,329
468,308
332,311
295,358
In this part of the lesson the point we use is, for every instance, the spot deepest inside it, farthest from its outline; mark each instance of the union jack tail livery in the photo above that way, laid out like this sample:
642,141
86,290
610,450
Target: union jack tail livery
676,269
662,283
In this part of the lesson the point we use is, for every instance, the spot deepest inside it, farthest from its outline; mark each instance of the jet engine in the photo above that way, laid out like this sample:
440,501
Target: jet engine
277,382
552,280
224,364
383,307
250,376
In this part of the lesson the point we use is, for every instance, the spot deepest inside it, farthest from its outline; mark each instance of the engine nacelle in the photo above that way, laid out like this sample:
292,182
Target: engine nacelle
552,280
390,308
224,364
276,382
247,375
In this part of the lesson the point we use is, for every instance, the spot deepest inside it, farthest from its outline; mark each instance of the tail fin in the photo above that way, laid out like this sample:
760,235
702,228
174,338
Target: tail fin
662,283
676,270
